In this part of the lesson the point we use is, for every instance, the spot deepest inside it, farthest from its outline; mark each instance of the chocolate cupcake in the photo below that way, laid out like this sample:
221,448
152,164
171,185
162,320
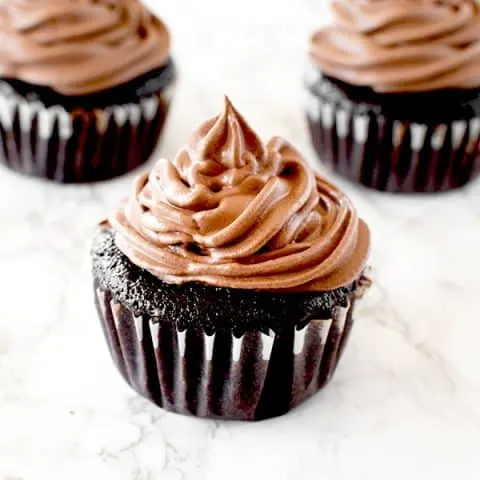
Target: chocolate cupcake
226,284
85,87
394,93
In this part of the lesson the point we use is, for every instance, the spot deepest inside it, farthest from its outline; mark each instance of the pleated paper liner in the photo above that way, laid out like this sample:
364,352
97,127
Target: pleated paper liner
387,154
82,145
217,374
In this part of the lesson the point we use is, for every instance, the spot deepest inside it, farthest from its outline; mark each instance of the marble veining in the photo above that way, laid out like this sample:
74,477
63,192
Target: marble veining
405,401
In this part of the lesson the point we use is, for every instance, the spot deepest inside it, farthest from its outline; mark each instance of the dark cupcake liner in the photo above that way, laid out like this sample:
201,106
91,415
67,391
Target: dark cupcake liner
382,152
79,146
250,377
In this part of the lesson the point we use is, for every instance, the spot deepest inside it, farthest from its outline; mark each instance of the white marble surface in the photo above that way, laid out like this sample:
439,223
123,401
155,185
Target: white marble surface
405,402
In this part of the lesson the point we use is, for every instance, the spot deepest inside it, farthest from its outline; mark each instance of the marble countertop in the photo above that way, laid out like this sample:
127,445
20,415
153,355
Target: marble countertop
405,402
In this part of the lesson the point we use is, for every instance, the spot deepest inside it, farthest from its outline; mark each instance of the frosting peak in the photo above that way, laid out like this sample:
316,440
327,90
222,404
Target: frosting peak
230,211
402,45
78,47
228,140
221,153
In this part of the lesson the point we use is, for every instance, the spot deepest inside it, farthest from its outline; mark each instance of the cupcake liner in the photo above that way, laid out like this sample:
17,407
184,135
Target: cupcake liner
80,145
254,376
388,154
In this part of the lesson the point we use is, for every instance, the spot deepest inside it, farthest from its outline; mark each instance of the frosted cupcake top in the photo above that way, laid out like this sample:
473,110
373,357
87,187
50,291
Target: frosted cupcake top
402,45
78,47
230,211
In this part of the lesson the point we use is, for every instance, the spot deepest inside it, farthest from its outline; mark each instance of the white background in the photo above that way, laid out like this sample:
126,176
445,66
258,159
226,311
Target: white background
405,402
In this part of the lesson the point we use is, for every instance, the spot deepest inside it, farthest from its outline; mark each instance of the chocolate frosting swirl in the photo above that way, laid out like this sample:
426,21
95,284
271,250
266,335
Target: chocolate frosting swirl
402,45
79,47
229,211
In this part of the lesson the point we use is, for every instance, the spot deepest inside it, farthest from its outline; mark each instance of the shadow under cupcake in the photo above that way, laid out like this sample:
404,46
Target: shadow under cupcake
85,87
393,94
226,283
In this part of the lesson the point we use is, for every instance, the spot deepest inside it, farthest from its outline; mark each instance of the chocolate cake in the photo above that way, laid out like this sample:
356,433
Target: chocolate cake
226,283
393,94
85,87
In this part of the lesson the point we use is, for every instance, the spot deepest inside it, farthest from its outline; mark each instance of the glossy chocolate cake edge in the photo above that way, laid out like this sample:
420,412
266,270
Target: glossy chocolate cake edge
130,92
392,147
420,107
84,144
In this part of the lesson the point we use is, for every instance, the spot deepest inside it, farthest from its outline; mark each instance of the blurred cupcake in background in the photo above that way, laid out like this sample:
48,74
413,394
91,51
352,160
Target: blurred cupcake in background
226,283
85,87
394,93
